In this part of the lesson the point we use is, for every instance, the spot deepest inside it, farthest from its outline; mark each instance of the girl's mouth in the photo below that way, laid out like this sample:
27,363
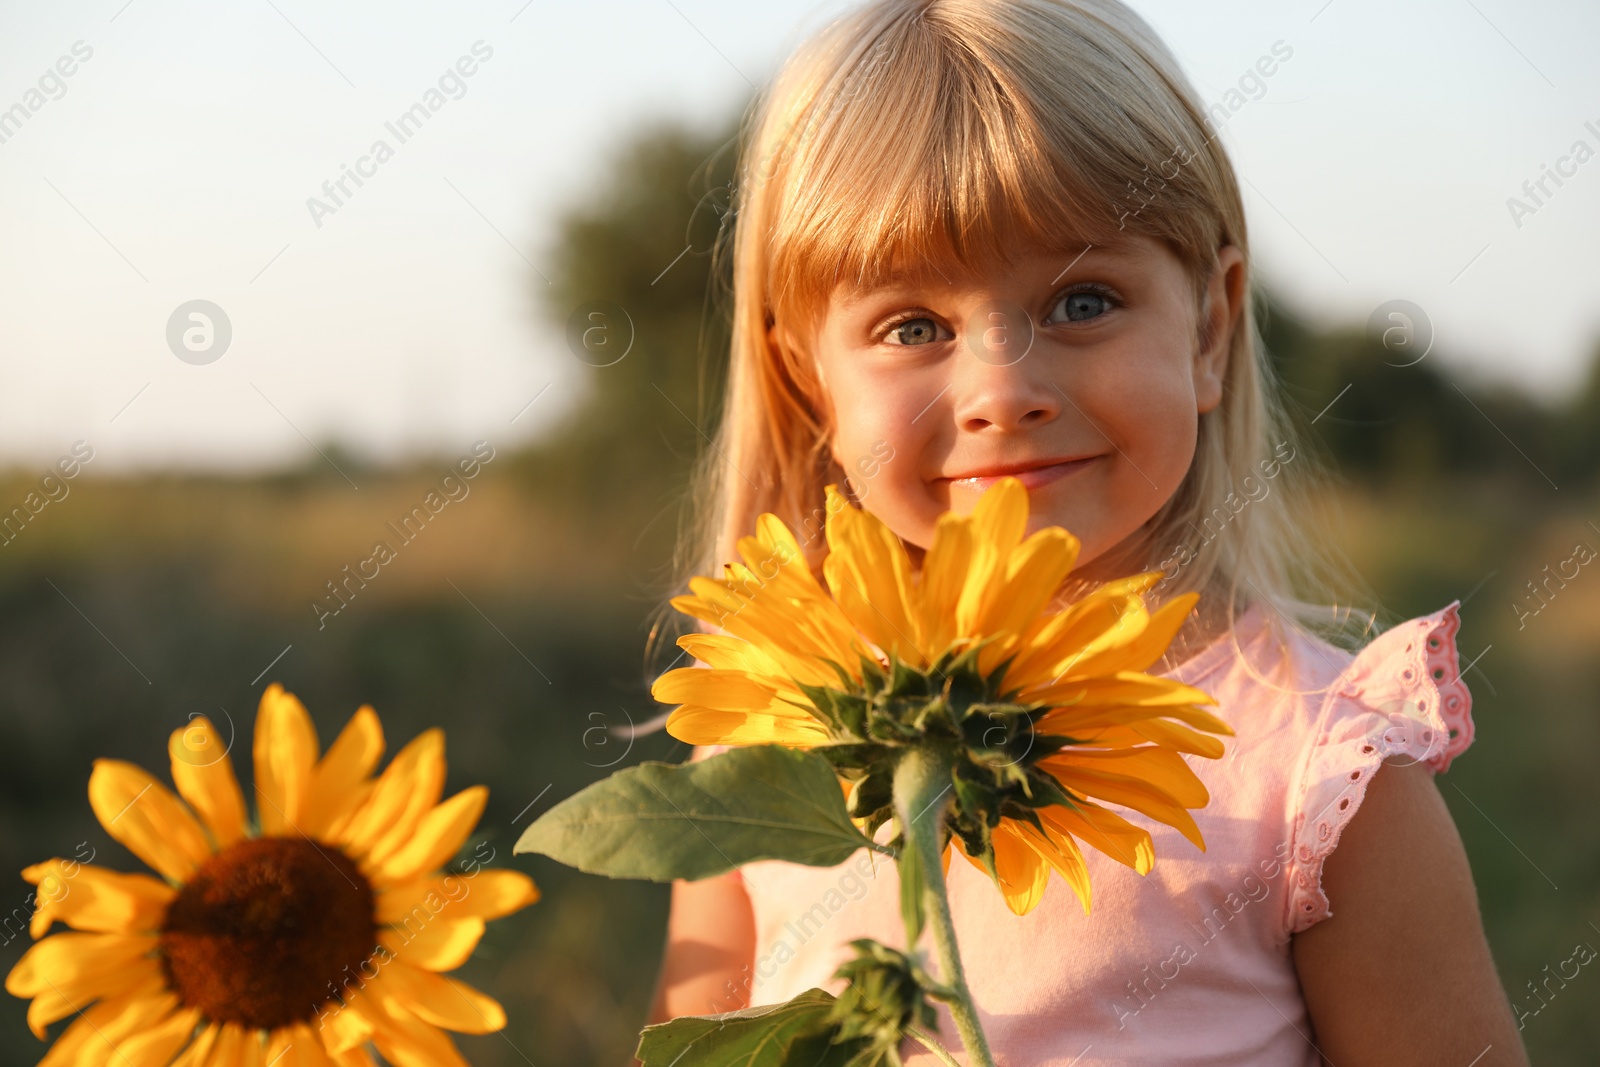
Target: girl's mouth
1032,477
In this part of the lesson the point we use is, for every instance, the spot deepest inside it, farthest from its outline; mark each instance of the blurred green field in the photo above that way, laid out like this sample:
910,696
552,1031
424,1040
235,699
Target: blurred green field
518,621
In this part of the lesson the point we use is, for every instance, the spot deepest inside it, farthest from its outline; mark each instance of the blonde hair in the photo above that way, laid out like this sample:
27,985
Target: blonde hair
946,132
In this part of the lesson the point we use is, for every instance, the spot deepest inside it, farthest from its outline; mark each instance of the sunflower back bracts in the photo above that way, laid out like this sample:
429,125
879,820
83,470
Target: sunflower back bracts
886,995
989,738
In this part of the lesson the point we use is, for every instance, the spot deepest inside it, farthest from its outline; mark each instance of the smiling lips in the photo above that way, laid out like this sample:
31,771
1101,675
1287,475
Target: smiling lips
1031,475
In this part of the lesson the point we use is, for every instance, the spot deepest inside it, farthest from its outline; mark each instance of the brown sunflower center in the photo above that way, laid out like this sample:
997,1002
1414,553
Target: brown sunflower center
268,930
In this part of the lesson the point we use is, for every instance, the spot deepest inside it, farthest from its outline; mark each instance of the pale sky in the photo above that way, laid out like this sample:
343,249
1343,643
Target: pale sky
175,162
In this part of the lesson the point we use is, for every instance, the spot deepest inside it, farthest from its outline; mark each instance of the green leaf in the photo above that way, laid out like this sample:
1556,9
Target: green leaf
661,821
794,1034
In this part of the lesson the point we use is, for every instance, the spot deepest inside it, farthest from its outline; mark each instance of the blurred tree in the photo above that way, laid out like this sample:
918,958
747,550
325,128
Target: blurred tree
633,290
633,263
1580,430
1388,418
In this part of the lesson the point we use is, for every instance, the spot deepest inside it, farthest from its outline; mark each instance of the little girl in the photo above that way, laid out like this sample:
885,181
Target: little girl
978,238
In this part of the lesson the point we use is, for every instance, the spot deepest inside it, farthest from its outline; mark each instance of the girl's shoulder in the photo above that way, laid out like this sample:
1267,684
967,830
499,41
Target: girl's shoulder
1339,716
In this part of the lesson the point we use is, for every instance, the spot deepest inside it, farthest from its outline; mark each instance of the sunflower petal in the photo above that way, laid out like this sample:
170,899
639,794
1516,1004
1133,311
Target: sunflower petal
1124,688
203,773
198,1054
143,815
1076,642
489,894
1157,767
336,828
711,726
406,790
296,1046
343,1028
409,1042
1177,737
238,1047
869,575
94,1037
1061,854
944,575
1019,870
1001,515
1131,793
1084,723
94,899
438,946
784,627
1034,573
728,690
724,652
155,1045
998,521
336,780
91,964
437,838
1105,830
440,1000
285,751
63,997
1142,652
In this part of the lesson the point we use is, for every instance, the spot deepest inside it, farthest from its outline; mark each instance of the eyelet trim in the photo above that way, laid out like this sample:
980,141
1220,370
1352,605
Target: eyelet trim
1369,717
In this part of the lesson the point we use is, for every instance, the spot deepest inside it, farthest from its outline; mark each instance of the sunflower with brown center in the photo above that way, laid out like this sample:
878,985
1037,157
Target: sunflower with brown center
301,941
1040,714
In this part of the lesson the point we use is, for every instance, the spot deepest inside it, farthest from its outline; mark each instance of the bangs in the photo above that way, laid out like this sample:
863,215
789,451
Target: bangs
935,149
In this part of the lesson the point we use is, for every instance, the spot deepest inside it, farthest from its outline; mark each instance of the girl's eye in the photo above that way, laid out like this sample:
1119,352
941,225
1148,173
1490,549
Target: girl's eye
918,331
1081,306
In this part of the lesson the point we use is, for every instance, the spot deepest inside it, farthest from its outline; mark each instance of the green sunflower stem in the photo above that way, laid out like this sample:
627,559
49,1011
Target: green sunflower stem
931,1043
922,792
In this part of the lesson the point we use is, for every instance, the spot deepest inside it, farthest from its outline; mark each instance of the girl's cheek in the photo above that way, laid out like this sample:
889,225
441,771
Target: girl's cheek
879,452
1143,400
885,439
880,414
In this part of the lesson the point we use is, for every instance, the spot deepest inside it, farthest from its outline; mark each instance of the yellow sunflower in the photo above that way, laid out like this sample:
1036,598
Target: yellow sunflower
296,942
1097,725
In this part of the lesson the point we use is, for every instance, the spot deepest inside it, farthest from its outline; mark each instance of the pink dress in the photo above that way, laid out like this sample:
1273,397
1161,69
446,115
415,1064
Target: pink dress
1189,964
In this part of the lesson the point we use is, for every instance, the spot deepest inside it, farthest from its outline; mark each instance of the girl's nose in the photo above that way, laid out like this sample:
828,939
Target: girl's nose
1005,399
998,381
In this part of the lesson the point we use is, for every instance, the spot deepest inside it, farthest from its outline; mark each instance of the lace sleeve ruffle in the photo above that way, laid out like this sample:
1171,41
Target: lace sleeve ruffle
1402,695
